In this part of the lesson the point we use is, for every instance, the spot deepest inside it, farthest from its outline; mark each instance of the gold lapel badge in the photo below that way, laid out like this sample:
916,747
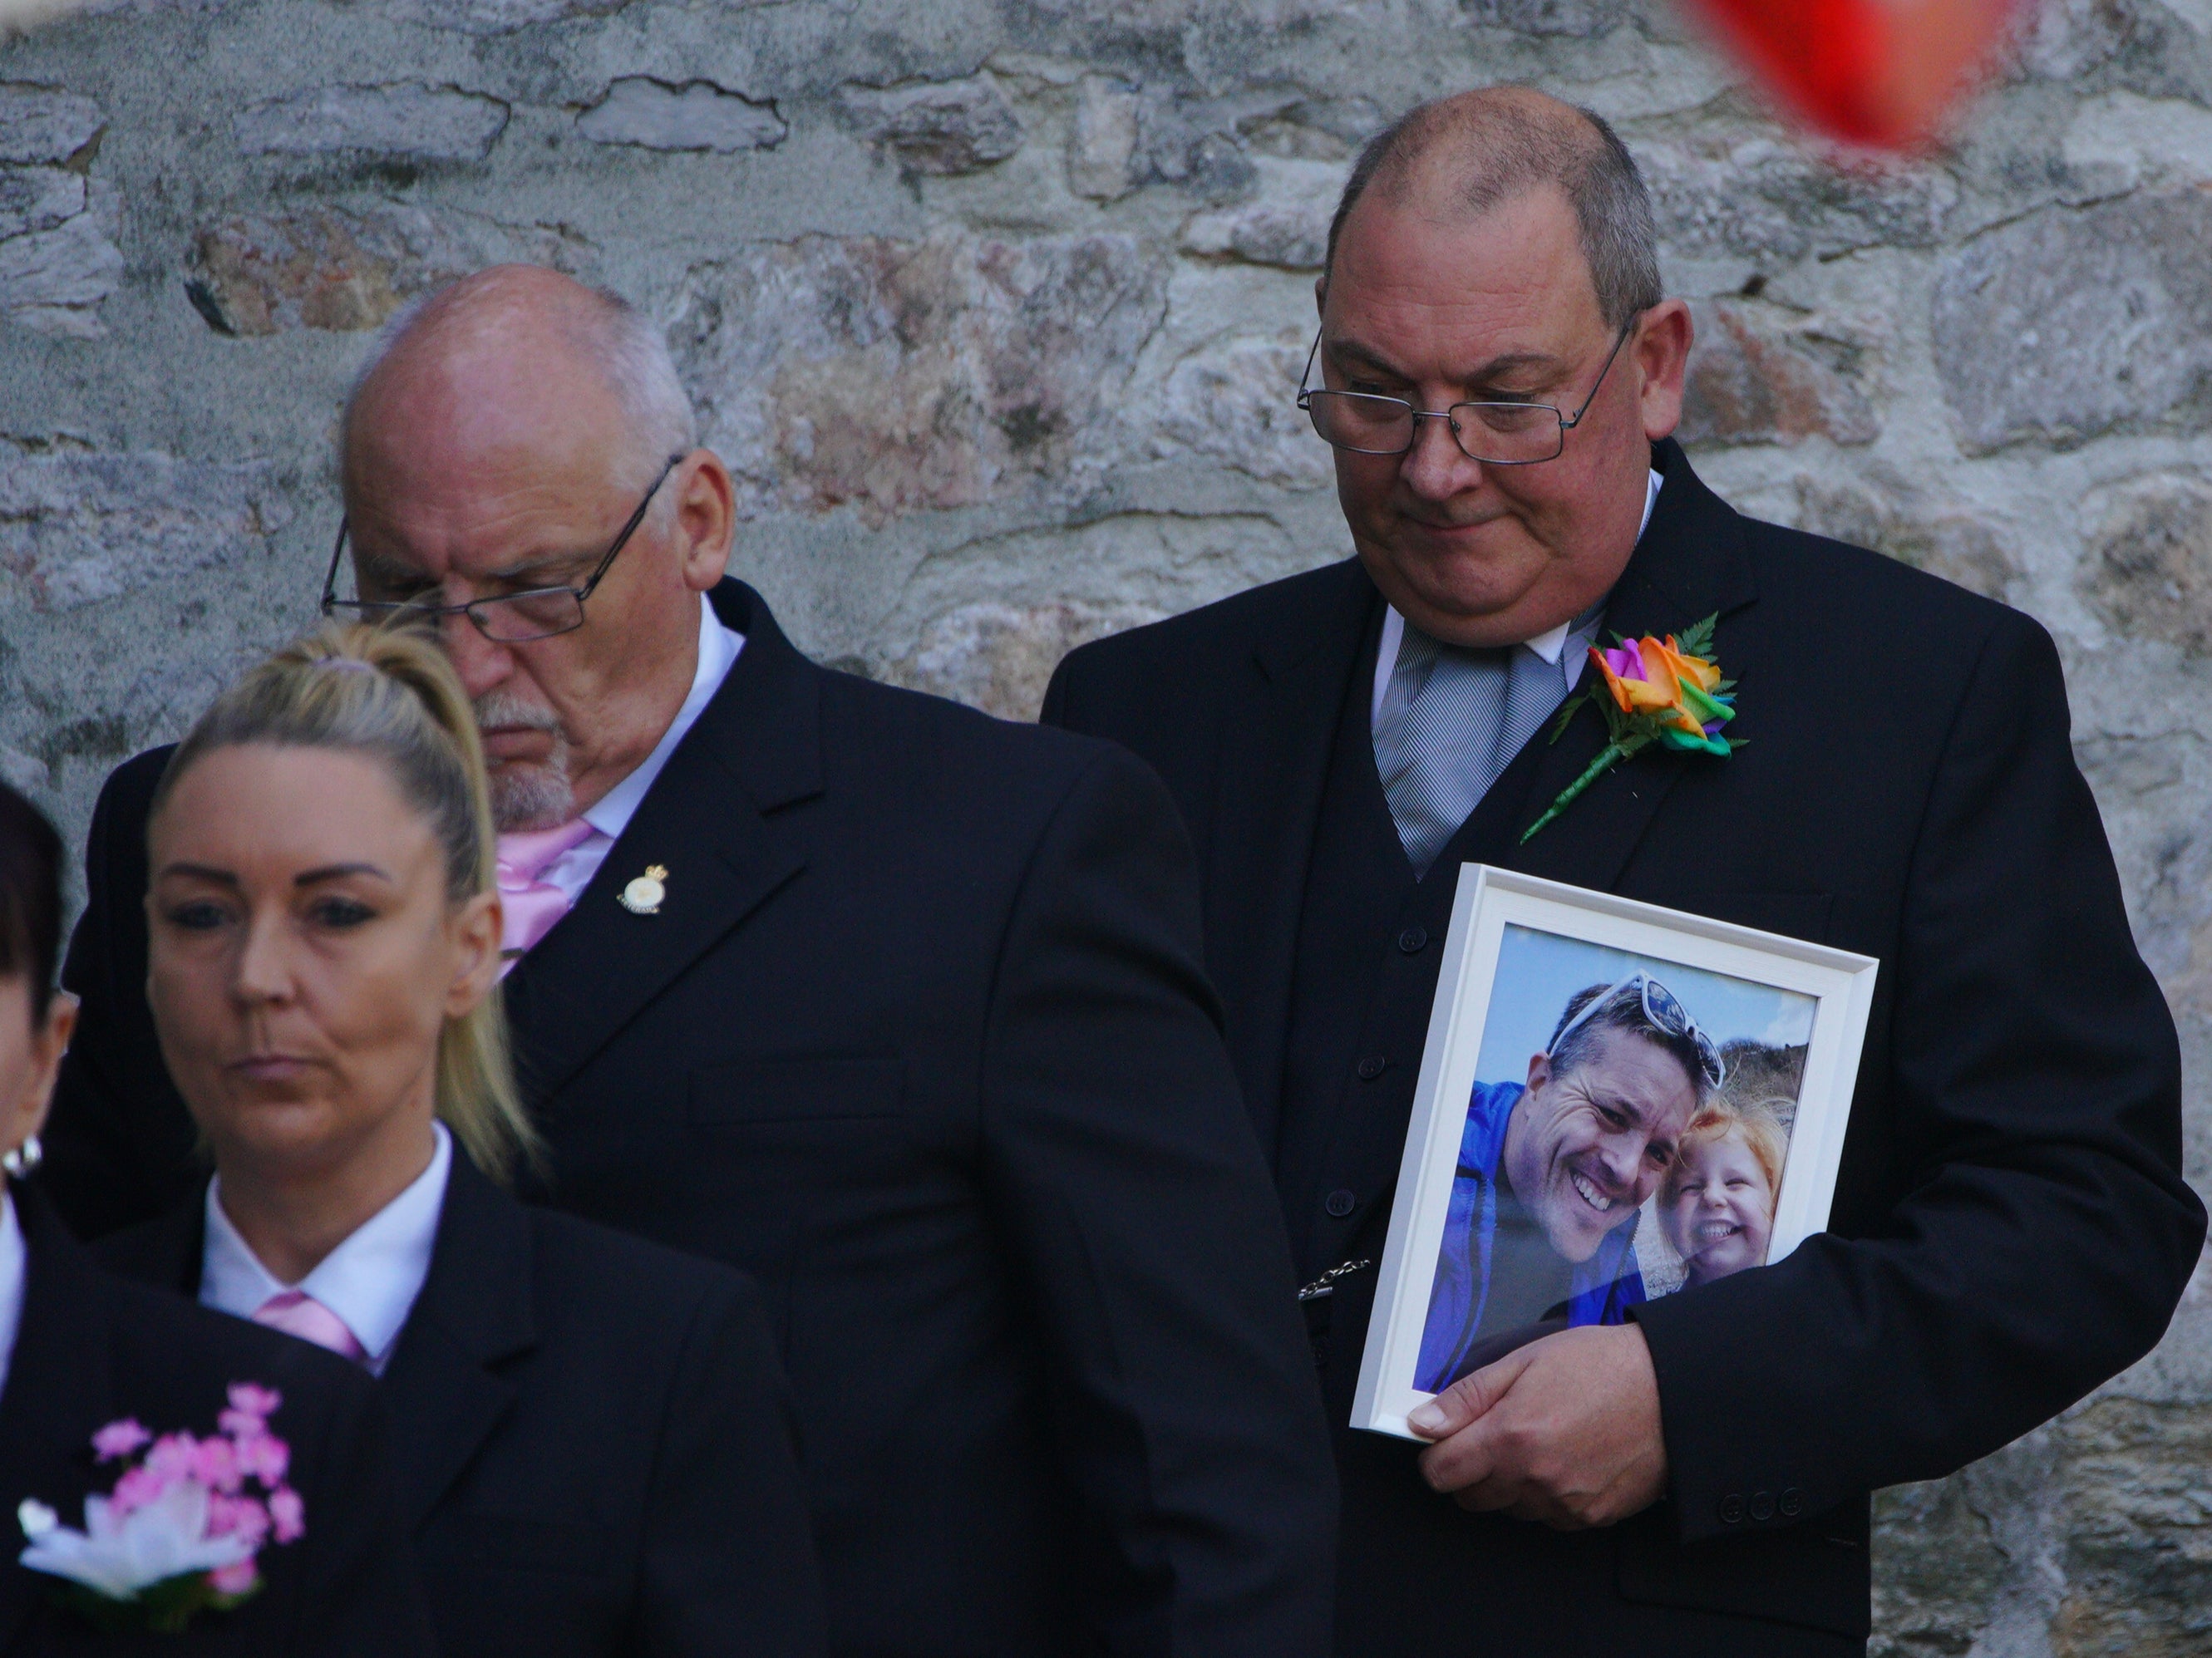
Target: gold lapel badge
642,897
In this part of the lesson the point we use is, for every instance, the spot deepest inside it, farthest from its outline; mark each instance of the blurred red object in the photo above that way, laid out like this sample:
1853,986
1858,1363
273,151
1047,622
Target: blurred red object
1882,73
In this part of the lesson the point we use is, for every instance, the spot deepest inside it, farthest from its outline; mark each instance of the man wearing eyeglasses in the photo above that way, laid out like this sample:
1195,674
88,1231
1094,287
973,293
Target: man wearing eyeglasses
1497,371
897,1007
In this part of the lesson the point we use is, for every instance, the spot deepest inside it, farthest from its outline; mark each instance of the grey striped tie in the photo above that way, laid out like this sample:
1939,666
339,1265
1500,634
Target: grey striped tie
1452,719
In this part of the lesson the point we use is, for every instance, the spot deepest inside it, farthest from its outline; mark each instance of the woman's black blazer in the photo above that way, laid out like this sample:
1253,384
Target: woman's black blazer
91,1349
591,1436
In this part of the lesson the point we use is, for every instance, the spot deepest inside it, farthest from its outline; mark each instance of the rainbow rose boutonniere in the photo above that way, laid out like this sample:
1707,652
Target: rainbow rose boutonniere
180,1531
1667,691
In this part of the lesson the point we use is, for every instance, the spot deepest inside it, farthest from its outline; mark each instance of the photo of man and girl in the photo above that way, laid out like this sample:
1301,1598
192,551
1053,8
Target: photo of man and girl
1633,1144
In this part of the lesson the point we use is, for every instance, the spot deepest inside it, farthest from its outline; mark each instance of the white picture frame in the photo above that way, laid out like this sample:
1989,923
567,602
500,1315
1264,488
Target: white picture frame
1831,990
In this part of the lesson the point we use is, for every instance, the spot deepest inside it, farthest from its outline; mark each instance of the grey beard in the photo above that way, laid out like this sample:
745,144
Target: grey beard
531,797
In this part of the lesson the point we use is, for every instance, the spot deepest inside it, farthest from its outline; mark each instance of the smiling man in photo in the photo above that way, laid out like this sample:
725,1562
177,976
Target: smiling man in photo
1552,1175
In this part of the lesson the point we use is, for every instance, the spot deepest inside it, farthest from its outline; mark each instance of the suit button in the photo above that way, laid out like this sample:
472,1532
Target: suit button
1732,1510
1793,1502
1371,1067
1413,940
1762,1505
1340,1203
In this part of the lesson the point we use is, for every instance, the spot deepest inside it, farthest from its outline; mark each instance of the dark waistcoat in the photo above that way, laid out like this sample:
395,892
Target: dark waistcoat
1369,945
1356,885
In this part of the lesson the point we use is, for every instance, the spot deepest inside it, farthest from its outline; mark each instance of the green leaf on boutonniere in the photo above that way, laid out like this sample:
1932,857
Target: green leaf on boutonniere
1573,707
1697,639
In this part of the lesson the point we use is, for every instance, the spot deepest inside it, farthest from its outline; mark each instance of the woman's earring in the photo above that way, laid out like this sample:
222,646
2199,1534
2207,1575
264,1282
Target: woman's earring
24,1158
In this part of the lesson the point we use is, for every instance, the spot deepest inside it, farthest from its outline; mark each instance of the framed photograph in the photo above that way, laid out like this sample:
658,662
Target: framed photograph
1617,1101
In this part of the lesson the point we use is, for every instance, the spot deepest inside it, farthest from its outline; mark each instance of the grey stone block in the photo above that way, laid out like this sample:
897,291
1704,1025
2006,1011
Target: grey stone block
321,268
1102,149
53,281
2064,325
897,376
698,115
943,127
77,529
1580,18
43,124
2150,569
408,122
38,199
1756,377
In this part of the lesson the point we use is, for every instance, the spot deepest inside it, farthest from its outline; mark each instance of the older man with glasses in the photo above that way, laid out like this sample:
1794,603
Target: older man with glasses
1498,372
898,1007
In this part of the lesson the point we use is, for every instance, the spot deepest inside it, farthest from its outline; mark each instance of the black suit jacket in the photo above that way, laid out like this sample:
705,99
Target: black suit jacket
2010,1226
590,1435
91,1350
920,1038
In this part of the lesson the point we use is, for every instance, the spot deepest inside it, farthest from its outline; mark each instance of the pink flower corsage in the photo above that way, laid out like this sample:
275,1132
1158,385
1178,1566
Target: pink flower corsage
182,1529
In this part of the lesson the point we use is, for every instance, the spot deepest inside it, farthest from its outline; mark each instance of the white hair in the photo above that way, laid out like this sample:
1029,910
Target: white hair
633,353
618,338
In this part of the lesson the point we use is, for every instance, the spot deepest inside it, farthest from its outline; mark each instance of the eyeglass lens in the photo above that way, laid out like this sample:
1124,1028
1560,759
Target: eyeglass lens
1659,1004
515,617
510,619
1661,1007
1501,434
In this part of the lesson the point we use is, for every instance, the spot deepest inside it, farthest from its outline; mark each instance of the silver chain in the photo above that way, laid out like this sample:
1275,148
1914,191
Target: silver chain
1326,1284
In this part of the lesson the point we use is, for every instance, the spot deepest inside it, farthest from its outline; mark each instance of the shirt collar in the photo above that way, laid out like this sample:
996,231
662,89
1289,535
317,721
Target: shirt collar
1546,645
12,1259
718,651
370,1280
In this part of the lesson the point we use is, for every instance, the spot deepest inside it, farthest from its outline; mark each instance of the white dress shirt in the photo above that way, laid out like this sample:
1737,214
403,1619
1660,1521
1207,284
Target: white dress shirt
572,871
370,1281
12,1262
1547,644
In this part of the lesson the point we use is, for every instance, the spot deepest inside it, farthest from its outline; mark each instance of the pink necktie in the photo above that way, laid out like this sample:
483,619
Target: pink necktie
299,1314
533,904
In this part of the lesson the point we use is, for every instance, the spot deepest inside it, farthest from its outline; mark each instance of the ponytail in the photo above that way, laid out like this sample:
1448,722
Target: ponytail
392,695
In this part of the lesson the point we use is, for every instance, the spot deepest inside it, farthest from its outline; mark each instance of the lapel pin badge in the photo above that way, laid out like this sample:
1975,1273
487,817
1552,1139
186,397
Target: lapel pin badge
642,897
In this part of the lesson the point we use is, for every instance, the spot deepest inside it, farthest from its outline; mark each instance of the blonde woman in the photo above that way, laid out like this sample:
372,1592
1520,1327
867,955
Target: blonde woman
591,1431
103,1379
1717,1201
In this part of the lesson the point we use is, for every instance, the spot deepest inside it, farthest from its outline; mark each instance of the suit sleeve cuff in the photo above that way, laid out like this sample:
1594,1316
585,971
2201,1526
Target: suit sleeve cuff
1730,1470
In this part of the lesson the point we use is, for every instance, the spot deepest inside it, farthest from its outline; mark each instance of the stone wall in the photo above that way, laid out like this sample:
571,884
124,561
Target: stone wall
995,308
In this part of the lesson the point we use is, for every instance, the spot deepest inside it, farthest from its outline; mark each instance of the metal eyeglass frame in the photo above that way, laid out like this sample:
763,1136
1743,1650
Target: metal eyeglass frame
1670,1016
1566,422
384,610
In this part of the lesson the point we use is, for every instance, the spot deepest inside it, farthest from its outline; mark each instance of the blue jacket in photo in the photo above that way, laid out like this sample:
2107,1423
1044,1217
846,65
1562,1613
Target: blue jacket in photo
1603,1287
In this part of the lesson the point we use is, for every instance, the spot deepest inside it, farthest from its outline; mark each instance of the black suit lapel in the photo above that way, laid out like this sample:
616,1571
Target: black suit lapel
165,1251
60,1390
1267,804
755,748
473,1314
1690,564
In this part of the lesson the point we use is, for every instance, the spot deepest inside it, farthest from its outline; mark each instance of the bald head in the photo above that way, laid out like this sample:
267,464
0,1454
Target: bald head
480,361
1492,273
1458,158
519,434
